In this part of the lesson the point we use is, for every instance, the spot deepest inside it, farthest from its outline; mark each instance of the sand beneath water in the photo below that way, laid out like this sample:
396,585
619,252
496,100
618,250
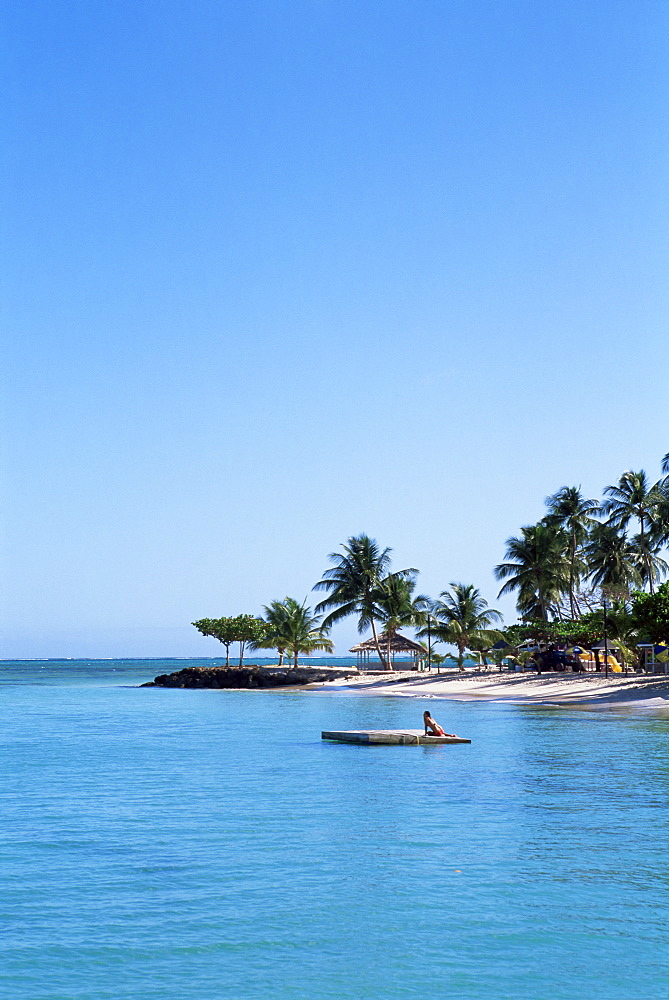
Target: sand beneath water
520,688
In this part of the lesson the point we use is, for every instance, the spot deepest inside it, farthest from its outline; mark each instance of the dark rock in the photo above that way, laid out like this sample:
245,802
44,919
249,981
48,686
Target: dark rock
251,676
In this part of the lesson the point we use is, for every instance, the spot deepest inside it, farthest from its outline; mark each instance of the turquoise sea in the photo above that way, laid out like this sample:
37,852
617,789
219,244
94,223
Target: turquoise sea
161,844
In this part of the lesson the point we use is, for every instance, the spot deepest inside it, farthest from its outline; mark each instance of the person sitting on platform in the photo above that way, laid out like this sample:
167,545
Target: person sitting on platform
433,728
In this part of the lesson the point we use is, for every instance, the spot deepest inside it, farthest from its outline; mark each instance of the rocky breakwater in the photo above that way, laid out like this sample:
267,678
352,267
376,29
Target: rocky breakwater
251,676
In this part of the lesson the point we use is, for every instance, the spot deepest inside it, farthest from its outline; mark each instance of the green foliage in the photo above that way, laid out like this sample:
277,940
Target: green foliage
651,614
569,511
395,604
291,627
462,618
645,554
276,614
498,656
355,582
242,629
304,631
612,564
396,607
621,625
538,567
633,497
578,632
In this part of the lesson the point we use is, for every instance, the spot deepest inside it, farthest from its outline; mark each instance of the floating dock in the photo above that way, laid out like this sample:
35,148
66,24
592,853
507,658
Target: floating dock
404,737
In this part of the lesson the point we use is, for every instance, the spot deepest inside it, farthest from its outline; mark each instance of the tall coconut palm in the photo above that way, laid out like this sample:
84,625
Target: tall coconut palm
354,582
397,607
665,464
462,618
660,530
612,561
645,554
569,510
634,497
537,567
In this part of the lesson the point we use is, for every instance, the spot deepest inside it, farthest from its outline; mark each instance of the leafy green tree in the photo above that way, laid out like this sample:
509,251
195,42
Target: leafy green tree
651,614
537,567
354,582
242,629
612,561
585,631
634,497
573,514
463,619
250,630
582,631
223,629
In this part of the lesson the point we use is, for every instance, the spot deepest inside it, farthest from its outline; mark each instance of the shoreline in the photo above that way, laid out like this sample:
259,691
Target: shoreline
651,691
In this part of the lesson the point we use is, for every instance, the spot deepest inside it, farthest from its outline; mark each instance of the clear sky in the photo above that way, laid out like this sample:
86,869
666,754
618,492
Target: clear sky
283,271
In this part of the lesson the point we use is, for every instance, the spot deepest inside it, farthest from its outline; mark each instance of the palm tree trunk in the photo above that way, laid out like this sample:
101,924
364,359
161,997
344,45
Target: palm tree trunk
461,657
384,665
572,598
649,569
540,594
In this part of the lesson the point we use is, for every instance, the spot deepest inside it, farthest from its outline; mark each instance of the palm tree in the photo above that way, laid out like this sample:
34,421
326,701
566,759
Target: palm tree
569,510
462,618
665,464
397,607
622,627
302,631
276,613
660,529
631,498
612,561
436,658
652,568
537,567
354,583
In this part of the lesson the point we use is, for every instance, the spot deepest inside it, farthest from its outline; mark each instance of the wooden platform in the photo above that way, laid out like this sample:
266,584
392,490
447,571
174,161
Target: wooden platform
406,737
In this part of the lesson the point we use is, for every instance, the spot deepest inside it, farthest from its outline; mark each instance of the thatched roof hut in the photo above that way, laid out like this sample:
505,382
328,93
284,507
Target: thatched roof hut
399,646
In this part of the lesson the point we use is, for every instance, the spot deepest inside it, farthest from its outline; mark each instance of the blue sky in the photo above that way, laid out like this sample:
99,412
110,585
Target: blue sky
280,273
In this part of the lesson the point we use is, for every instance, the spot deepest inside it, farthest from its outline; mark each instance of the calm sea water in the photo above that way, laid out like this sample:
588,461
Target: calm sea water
195,845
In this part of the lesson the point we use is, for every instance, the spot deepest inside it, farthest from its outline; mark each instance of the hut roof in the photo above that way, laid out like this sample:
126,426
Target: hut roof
398,644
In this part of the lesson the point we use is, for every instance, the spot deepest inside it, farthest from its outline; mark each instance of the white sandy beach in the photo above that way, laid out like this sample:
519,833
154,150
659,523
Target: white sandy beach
548,689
